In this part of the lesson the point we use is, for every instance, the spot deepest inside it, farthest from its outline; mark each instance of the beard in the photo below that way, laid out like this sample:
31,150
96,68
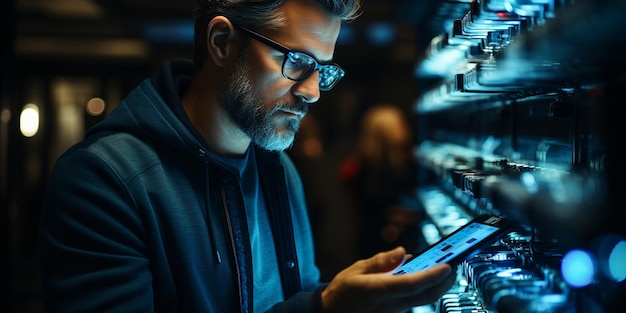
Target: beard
244,106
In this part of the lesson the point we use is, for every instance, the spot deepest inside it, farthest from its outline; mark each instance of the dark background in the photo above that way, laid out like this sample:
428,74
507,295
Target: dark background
60,53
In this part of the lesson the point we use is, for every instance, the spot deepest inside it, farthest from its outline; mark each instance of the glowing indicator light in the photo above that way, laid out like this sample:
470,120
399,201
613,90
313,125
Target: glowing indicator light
577,268
617,262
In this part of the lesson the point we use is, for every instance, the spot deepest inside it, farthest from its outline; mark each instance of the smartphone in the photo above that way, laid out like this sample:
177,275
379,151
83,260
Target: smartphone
464,242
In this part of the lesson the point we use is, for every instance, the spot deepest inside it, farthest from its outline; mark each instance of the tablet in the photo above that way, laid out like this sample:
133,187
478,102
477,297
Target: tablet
466,241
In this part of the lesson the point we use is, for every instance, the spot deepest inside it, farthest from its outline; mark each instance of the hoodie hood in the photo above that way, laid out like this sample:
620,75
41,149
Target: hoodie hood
154,110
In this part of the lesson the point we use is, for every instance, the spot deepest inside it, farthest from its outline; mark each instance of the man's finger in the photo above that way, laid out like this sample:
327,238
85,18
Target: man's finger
386,261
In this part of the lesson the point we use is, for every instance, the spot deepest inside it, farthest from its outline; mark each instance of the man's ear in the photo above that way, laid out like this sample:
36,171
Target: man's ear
220,37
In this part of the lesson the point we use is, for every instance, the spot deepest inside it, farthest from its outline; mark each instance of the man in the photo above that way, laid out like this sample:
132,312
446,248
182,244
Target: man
183,200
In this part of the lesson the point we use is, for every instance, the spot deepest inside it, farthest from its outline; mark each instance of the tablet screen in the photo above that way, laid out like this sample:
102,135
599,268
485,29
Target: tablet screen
457,243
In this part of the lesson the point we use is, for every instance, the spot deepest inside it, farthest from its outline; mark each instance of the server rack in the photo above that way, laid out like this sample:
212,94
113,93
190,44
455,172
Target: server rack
519,114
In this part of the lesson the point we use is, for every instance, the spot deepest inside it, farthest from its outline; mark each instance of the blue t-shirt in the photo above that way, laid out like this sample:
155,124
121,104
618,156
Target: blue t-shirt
267,284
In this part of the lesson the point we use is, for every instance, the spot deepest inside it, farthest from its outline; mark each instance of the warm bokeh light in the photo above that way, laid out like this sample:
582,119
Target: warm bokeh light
95,106
5,116
29,120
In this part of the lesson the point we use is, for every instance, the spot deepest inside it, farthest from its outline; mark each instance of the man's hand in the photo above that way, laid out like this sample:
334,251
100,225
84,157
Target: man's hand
367,286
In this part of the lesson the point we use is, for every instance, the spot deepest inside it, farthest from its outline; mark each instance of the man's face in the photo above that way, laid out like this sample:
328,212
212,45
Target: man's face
264,104
264,124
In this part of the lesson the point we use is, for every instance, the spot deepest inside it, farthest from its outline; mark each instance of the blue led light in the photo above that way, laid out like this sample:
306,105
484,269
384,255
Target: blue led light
617,262
528,180
577,268
610,252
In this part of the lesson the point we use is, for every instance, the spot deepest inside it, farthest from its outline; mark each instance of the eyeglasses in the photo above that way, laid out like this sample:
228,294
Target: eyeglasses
297,65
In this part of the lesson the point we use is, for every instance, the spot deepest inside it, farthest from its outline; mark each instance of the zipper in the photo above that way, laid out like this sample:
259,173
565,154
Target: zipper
210,175
232,243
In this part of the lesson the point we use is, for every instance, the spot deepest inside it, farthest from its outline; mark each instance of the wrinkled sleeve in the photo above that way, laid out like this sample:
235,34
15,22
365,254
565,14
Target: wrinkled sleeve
92,255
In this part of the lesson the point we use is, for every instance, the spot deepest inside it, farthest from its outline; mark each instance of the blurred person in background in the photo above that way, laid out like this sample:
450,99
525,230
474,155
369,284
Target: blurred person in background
184,200
380,177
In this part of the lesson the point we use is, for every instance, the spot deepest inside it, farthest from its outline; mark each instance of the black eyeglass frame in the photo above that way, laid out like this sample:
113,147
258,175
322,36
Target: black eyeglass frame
290,52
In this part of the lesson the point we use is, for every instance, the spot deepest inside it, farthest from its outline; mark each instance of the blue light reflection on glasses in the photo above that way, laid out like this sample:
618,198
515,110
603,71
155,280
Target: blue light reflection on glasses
297,65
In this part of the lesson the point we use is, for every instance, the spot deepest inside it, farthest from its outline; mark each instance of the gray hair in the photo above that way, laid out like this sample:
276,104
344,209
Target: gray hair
257,14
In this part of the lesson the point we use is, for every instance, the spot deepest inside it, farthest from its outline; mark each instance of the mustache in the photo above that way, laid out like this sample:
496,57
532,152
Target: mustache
299,107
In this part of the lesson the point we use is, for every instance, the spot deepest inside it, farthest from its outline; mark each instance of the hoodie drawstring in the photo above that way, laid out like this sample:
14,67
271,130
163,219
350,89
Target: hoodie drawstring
218,257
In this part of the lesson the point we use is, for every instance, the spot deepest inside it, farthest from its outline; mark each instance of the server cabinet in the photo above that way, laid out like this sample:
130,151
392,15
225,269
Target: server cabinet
520,114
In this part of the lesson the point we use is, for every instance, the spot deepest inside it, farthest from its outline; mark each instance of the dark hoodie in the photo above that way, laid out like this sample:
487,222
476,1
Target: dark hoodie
140,216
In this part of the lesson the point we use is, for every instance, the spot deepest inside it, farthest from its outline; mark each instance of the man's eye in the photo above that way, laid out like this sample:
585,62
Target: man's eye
300,60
